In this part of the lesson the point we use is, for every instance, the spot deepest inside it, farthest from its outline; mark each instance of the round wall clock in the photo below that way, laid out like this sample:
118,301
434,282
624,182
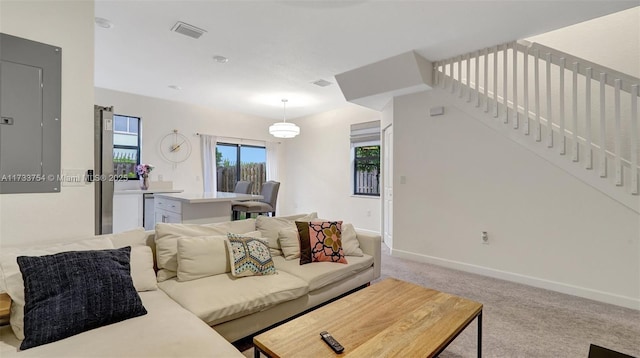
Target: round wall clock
175,147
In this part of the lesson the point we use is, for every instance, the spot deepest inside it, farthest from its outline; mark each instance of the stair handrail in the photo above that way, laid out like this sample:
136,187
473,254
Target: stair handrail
556,55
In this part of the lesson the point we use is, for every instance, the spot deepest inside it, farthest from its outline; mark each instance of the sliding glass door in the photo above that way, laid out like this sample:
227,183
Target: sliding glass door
236,162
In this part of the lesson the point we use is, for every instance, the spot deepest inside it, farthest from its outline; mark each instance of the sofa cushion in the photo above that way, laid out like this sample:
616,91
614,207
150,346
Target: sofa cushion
271,226
289,242
350,243
142,272
76,291
320,274
167,236
202,256
249,256
220,298
12,277
167,330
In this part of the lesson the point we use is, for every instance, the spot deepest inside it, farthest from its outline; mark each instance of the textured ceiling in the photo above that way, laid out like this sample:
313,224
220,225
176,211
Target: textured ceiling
277,48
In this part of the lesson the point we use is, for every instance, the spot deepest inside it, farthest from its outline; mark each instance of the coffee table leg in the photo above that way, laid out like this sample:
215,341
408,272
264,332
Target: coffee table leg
480,335
256,352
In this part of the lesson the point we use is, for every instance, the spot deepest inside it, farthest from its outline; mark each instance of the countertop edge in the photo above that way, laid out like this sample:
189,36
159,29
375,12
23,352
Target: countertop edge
149,191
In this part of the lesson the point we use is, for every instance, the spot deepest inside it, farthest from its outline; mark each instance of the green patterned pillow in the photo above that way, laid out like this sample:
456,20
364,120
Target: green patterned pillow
249,256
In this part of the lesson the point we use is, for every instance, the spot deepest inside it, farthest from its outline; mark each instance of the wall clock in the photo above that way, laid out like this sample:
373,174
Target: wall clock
175,147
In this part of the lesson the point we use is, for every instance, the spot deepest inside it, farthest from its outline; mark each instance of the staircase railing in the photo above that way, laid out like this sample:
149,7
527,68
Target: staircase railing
577,107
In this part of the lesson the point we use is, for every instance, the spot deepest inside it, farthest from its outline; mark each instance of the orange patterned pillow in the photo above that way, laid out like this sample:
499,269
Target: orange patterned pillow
325,241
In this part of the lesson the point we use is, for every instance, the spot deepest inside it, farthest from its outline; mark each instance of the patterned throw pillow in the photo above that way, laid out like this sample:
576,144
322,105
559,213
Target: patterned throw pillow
249,256
303,236
324,240
76,291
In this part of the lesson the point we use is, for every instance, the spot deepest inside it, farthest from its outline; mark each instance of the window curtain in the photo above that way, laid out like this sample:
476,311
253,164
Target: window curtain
272,160
209,173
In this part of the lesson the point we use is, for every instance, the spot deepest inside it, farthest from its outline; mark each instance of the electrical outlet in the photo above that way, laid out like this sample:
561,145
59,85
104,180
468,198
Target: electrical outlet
368,213
160,177
485,237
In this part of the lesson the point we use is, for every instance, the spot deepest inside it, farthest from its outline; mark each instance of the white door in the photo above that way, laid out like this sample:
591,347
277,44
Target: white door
387,221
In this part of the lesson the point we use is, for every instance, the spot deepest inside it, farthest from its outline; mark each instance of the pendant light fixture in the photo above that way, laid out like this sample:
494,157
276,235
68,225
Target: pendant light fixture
284,129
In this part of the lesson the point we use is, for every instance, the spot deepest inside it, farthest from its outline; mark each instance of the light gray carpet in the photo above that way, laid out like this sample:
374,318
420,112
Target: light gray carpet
523,321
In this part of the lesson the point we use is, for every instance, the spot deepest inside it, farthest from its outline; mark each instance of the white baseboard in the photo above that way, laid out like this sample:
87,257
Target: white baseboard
601,296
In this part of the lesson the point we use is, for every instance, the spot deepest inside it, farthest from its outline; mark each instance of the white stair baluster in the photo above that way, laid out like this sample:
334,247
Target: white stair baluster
495,82
563,144
574,109
453,77
549,111
536,75
525,92
515,86
451,74
486,79
634,139
504,83
477,78
460,88
618,134
603,126
469,77
587,120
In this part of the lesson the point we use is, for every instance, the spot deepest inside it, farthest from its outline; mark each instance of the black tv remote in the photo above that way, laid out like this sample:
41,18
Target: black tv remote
328,338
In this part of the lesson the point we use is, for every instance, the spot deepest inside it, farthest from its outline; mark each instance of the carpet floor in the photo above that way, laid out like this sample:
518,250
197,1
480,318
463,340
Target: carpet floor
520,320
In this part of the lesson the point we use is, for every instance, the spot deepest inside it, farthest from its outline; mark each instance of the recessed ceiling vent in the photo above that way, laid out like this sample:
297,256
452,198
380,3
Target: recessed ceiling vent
322,83
188,30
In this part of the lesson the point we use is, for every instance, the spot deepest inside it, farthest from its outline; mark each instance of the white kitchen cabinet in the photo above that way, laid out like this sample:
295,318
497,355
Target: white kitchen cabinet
127,212
177,211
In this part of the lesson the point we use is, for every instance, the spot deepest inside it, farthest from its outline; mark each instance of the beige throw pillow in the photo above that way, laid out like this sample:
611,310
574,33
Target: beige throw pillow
289,243
167,236
350,243
142,272
203,256
271,226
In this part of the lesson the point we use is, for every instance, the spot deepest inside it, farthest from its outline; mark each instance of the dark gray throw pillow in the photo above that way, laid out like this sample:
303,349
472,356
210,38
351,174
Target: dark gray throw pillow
76,291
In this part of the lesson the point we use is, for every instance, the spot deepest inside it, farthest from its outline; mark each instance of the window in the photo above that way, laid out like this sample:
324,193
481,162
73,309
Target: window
126,145
365,143
236,162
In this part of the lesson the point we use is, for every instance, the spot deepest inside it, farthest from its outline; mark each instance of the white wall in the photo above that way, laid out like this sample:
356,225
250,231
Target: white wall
612,41
319,169
546,227
160,117
69,24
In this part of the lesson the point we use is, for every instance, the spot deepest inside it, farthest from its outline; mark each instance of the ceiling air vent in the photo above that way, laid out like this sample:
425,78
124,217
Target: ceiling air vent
322,83
188,30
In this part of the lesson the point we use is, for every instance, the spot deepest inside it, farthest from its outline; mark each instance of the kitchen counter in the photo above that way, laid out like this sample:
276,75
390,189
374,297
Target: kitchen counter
195,198
148,191
196,208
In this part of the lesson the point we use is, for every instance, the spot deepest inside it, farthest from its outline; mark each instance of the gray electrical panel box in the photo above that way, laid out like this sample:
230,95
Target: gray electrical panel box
30,122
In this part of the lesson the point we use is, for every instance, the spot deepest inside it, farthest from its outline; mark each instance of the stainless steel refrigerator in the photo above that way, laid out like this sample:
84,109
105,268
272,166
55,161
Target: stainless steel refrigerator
103,169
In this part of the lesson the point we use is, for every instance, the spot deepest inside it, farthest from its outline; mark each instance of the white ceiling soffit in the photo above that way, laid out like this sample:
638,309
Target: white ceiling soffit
277,49
374,85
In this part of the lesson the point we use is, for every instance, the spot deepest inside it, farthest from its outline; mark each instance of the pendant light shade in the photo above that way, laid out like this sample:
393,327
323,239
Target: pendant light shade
284,129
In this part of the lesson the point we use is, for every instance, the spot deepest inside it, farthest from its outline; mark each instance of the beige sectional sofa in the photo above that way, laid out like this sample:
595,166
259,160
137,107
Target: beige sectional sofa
182,312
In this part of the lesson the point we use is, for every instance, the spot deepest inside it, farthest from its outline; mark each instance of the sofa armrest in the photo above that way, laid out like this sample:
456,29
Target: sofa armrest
370,243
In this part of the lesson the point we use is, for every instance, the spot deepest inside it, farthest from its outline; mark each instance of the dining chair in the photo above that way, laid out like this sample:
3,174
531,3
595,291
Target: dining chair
267,205
242,187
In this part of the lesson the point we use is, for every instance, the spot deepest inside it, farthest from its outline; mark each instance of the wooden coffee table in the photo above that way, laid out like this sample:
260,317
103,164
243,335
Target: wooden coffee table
391,318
